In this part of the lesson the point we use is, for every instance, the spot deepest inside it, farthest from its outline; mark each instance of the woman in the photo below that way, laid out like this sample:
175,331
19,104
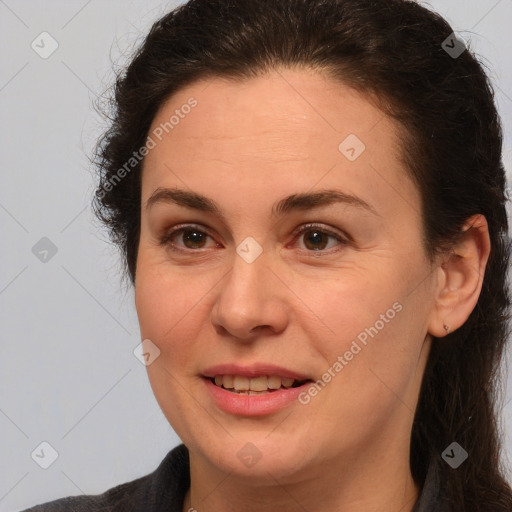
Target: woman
309,197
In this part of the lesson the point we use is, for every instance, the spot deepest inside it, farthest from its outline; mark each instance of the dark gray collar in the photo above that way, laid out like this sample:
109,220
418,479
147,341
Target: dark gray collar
430,499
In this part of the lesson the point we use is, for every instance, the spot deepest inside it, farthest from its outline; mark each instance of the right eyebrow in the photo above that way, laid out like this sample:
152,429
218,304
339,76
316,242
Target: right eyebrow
184,198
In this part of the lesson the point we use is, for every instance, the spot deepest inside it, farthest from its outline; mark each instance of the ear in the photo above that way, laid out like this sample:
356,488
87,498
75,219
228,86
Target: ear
461,275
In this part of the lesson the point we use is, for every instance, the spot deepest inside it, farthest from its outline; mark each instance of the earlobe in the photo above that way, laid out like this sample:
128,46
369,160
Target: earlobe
461,278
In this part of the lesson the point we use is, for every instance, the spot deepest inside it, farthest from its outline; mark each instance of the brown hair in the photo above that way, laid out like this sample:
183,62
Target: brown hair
392,50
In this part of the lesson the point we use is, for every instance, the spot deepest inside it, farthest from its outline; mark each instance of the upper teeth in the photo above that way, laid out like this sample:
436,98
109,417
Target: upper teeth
262,383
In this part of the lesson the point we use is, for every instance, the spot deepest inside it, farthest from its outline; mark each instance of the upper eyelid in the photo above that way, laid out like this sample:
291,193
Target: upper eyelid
172,232
312,226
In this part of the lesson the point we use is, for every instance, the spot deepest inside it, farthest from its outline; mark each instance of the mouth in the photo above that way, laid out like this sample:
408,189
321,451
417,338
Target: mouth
258,385
256,390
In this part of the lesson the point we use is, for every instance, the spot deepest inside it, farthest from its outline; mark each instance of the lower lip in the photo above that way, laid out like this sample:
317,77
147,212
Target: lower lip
253,405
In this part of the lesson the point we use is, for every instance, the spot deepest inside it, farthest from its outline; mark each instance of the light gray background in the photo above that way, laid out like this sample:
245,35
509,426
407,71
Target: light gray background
67,370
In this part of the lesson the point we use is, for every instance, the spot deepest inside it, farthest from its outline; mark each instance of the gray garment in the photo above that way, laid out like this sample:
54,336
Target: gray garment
164,490
430,499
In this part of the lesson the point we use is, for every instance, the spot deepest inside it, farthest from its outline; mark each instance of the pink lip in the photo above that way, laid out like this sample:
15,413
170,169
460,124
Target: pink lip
252,405
254,370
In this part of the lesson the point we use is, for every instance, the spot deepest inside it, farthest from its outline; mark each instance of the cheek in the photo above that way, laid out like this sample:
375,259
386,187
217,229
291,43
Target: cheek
374,333
369,377
350,308
161,297
168,315
153,304
171,309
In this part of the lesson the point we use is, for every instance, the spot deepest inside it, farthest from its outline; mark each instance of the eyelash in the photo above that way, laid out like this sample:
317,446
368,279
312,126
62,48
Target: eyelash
166,239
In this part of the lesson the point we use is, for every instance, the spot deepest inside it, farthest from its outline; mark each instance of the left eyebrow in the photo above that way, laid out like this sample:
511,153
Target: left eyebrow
294,202
308,201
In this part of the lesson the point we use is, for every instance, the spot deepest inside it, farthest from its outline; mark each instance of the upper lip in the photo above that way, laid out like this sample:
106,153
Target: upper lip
253,370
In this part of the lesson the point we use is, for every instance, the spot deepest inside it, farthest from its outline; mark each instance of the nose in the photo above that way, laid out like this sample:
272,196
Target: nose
251,301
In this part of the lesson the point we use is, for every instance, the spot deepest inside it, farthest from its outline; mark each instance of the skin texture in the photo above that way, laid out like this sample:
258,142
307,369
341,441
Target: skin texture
247,145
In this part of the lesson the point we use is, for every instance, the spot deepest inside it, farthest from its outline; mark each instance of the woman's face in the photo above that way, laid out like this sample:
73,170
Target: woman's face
250,292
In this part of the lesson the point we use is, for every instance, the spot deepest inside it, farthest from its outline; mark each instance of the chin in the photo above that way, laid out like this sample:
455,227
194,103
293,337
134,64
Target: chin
257,455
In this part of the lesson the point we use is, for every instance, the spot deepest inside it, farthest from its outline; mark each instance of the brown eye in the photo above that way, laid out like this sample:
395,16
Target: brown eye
186,238
315,240
193,239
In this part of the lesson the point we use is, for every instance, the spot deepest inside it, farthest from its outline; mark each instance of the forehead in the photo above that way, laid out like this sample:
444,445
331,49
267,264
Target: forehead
284,130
